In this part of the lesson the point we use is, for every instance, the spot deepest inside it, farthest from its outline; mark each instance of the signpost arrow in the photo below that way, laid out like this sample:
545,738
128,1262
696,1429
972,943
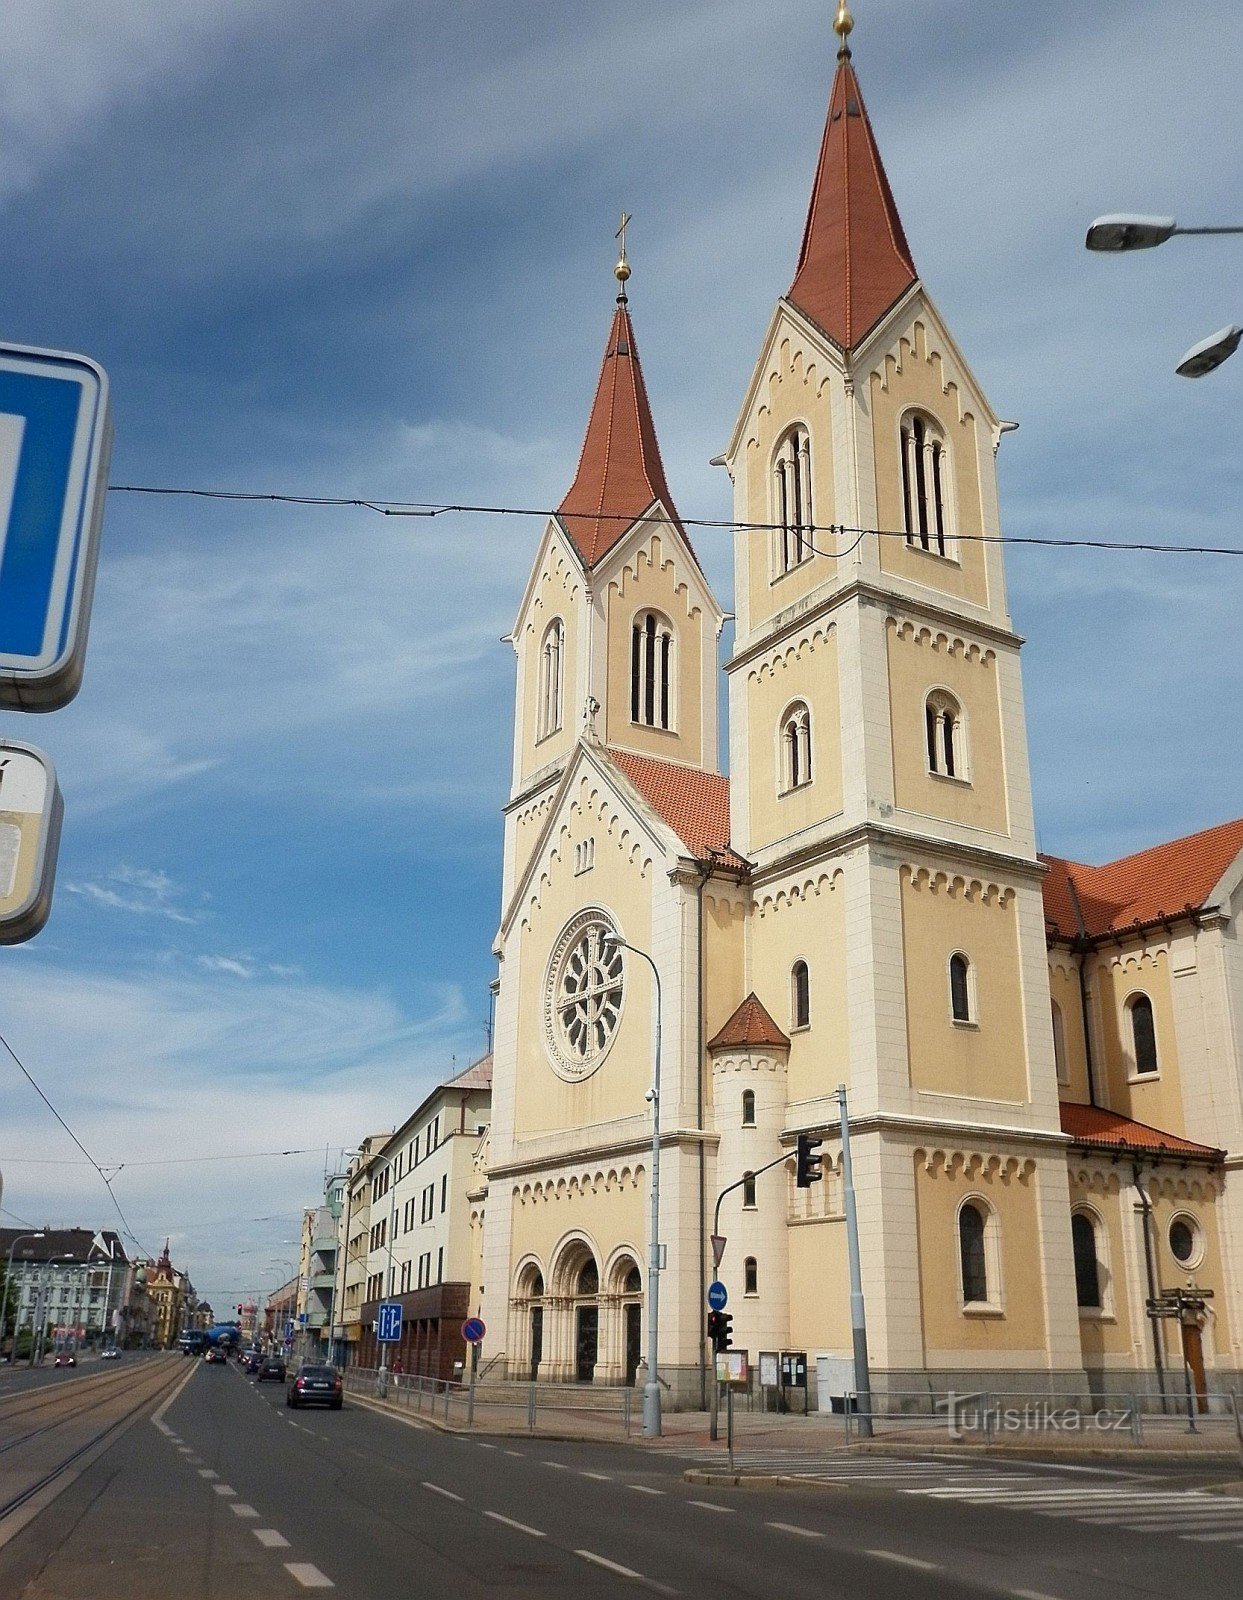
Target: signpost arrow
718,1295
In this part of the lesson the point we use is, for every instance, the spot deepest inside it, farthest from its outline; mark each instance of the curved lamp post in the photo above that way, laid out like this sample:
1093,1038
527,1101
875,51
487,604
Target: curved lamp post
651,1391
8,1274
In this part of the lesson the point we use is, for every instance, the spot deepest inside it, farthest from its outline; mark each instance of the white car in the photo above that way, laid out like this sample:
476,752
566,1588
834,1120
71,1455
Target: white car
110,1354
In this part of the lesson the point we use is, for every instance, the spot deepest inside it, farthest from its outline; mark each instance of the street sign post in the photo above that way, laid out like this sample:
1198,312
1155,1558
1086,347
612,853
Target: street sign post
55,441
718,1295
388,1322
30,819
473,1330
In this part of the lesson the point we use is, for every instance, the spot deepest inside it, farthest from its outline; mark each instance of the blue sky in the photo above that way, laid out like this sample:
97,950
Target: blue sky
366,250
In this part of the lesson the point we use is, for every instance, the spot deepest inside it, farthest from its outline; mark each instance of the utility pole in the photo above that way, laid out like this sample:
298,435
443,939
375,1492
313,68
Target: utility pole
858,1321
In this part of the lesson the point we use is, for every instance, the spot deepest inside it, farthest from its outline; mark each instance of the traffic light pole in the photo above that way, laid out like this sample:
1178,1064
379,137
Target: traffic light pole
858,1321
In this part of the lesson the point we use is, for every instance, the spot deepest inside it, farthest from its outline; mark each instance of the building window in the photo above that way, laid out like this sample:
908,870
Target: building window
795,747
1087,1267
444,1194
961,1008
1059,1045
943,730
792,485
651,671
800,995
440,1264
748,1108
1143,1035
1186,1243
748,1191
925,485
552,654
971,1225
750,1276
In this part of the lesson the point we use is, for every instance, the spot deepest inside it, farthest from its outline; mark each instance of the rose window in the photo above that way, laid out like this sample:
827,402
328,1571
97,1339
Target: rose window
583,997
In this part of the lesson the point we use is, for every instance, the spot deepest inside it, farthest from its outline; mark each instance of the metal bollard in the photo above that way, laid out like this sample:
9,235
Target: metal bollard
531,1409
1137,1423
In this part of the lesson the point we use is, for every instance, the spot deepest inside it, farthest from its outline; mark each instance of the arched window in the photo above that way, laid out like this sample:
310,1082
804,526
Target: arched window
552,654
795,747
750,1276
748,1108
800,995
925,484
961,1008
1143,1035
589,1278
972,1256
1087,1267
1059,1045
943,727
748,1190
651,671
634,1282
793,518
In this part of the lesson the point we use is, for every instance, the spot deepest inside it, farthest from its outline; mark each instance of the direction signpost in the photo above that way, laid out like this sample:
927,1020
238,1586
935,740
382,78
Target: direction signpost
473,1330
388,1322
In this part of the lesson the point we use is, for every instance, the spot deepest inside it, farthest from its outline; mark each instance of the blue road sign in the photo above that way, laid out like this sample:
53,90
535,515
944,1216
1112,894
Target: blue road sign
473,1330
55,440
289,1328
388,1322
717,1295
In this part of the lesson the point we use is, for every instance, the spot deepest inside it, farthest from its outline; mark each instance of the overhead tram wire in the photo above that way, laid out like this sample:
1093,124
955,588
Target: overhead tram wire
159,1161
414,508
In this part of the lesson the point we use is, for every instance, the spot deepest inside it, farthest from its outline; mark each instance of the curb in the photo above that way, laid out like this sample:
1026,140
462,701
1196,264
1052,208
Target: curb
1016,1452
761,1480
413,1420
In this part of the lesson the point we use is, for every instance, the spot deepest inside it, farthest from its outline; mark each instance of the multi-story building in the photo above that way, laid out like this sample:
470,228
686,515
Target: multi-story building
72,1283
353,1245
318,1270
860,903
172,1300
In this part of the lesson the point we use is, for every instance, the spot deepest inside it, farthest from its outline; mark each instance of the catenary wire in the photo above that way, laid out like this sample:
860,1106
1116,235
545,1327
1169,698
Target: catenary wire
160,1161
414,508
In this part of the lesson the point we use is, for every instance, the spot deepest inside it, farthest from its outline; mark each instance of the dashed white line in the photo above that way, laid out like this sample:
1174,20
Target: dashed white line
521,1454
223,1489
185,1450
536,1533
557,1466
270,1539
206,1472
789,1527
612,1566
308,1576
903,1561
241,1509
448,1493
1214,1538
483,1446
1031,1594
600,1477
643,1488
706,1505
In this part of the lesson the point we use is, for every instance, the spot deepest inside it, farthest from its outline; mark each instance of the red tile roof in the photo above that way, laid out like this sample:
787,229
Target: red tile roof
1108,1130
855,261
1090,902
749,1025
477,1076
620,473
695,804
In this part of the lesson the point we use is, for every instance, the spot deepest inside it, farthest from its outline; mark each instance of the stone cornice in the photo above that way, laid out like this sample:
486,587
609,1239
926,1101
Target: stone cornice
999,862
613,1149
940,1129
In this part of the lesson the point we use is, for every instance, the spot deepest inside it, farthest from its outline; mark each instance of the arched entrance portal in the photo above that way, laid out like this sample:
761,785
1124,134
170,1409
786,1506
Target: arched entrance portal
587,1323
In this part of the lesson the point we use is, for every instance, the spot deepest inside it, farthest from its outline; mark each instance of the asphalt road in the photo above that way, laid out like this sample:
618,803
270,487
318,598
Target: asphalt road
233,1497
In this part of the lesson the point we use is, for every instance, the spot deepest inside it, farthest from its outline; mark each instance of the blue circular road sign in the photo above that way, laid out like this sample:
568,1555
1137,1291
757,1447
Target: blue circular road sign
717,1296
473,1330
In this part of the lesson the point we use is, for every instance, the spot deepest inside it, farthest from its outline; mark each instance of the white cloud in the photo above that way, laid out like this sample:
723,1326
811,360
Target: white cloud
138,890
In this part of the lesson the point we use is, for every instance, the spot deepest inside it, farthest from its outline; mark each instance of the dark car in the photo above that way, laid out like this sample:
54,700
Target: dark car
65,1358
215,1355
315,1386
252,1361
272,1367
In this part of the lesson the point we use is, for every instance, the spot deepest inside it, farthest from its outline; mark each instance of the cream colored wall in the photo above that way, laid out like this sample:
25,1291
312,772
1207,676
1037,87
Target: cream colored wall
803,917
606,1204
806,669
622,882
558,592
819,1274
725,923
1064,989
795,389
943,1180
915,379
651,580
1193,1193
985,1060
1114,977
922,658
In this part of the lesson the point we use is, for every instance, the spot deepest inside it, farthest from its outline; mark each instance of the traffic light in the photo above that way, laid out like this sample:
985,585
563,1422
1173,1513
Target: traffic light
807,1163
724,1331
714,1323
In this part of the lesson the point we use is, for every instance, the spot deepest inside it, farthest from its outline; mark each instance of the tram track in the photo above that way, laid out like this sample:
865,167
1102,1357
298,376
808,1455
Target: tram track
15,1408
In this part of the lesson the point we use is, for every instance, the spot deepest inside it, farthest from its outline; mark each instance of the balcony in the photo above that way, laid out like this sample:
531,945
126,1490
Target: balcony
323,1280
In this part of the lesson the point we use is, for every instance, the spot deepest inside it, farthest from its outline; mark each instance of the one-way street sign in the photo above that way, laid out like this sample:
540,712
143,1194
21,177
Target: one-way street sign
388,1322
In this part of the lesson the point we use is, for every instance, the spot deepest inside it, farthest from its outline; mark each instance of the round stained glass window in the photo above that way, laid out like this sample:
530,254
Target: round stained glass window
1185,1242
583,996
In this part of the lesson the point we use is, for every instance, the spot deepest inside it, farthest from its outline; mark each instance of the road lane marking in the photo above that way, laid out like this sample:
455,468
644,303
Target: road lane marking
243,1510
308,1576
903,1561
1031,1594
522,1527
1213,1538
206,1472
223,1489
612,1566
270,1539
706,1505
643,1488
521,1454
483,1446
789,1527
185,1449
600,1477
448,1493
557,1466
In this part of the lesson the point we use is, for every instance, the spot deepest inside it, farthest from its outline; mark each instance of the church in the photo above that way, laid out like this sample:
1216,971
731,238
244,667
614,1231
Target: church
1042,1057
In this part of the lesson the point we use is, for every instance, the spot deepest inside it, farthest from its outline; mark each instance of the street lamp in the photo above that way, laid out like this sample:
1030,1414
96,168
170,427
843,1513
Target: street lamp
1116,234
609,942
8,1273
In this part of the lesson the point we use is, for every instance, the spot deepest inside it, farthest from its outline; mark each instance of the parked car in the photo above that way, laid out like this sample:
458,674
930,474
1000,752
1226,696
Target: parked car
65,1358
272,1367
216,1356
112,1353
315,1386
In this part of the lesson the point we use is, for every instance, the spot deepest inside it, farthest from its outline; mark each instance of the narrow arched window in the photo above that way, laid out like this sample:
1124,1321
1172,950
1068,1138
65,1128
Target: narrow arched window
800,995
796,747
748,1108
943,730
748,1190
971,1225
925,484
960,989
1143,1035
1087,1265
792,495
651,671
552,654
750,1276
1059,1045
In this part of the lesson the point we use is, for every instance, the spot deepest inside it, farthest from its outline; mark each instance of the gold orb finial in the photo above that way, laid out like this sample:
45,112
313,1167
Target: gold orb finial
843,23
622,270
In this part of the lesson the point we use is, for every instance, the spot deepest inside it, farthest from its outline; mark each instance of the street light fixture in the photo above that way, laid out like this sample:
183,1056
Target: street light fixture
609,942
1209,354
8,1274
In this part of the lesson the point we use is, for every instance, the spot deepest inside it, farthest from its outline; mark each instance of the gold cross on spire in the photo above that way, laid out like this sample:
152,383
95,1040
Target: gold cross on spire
622,270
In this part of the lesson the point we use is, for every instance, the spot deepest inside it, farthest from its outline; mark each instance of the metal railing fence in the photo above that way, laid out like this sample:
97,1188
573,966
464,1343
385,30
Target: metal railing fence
497,1406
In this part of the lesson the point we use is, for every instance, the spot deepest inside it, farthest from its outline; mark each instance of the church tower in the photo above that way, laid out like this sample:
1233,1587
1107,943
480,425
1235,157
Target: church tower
881,791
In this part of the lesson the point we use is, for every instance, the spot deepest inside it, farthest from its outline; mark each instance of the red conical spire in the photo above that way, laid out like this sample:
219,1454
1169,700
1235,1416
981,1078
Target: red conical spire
855,261
620,472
